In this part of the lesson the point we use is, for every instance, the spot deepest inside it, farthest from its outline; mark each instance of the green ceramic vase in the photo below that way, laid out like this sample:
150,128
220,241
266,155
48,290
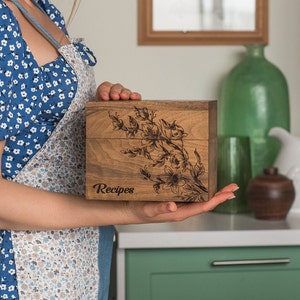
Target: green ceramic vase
254,98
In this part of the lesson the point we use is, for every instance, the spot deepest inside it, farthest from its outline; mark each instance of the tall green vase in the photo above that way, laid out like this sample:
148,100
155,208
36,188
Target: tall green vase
254,98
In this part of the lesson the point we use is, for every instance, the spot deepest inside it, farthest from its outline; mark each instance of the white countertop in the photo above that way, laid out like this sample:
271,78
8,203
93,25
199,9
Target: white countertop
212,230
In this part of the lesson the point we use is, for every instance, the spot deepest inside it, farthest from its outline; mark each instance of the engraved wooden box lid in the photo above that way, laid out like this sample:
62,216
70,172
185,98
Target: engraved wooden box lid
151,150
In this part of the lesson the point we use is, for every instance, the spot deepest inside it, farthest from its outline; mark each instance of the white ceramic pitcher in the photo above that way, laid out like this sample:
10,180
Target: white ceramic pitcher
288,159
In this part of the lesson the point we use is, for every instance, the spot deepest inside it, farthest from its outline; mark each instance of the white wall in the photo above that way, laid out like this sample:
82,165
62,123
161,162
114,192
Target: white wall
180,72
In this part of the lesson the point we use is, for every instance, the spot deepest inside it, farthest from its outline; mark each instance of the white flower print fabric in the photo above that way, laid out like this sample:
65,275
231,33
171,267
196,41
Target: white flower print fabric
42,110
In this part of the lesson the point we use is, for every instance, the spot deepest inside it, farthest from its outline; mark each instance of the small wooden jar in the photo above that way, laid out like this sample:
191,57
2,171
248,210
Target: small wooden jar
270,195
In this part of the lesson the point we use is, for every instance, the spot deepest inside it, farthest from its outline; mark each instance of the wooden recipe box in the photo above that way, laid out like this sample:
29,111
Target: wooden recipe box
151,150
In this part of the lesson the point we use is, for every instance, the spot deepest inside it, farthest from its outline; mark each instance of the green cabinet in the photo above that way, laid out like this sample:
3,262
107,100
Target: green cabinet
247,273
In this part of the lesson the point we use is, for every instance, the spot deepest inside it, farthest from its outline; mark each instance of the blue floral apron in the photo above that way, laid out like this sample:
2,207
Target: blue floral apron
63,264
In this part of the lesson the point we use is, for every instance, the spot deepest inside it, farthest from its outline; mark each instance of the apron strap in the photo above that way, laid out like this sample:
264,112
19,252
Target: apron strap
37,25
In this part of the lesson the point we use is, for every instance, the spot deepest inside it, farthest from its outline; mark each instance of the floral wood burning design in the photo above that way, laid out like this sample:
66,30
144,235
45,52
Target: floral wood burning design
161,143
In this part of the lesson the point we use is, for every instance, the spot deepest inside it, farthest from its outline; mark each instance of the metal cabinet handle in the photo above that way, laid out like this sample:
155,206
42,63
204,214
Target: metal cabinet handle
251,262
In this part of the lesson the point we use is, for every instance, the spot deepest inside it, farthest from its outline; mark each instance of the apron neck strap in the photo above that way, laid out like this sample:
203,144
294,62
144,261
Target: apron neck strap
37,25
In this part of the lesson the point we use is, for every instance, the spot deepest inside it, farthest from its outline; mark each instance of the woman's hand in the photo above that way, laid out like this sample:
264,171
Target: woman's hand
154,212
109,91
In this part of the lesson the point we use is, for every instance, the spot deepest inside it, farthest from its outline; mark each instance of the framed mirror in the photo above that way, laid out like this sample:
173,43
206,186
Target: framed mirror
202,22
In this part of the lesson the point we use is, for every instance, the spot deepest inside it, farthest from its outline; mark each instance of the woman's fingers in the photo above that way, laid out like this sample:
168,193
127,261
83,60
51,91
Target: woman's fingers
153,212
109,91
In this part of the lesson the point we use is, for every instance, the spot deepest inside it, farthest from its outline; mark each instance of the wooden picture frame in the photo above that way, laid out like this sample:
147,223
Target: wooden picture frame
148,36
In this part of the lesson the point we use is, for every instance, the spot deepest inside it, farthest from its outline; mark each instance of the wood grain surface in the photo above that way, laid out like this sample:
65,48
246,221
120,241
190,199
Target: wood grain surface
151,150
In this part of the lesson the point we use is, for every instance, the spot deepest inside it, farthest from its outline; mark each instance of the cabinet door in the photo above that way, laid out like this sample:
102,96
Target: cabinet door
264,273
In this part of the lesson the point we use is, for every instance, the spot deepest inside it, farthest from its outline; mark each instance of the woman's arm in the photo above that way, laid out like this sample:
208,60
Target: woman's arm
27,208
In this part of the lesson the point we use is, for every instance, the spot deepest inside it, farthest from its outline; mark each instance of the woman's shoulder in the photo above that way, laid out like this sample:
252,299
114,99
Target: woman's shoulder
6,13
9,27
53,12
